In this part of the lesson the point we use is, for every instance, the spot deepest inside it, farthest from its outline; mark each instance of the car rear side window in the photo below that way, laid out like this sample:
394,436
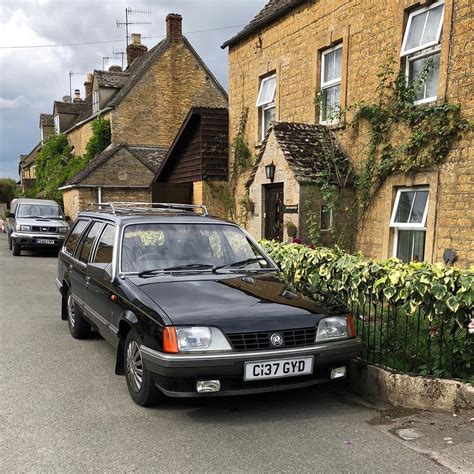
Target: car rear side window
74,236
88,241
105,246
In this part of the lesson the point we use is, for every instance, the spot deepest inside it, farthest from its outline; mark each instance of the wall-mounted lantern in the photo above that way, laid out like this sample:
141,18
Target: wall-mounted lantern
270,171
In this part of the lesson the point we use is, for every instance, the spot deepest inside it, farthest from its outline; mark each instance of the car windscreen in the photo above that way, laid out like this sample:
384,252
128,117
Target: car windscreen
39,210
169,247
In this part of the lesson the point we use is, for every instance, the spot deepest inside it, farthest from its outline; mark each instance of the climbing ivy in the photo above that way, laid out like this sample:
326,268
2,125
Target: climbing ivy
56,162
403,136
242,161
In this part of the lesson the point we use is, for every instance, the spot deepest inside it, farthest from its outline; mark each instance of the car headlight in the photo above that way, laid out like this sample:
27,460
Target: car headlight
23,228
334,327
193,339
63,230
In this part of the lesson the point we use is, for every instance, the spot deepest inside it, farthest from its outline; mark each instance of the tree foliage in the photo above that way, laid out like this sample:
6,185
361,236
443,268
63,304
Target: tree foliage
7,190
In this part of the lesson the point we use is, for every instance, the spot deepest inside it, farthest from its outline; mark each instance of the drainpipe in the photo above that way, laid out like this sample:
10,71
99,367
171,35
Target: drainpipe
99,195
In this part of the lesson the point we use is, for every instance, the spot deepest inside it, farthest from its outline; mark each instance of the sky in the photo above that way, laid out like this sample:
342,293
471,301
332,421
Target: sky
32,78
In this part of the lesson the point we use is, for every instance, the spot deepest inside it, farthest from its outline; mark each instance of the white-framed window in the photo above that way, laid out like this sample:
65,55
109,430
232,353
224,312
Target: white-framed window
331,73
326,218
266,103
422,45
57,127
95,101
408,220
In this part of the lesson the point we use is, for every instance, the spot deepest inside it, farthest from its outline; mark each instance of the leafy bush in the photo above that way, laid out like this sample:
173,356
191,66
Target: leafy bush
100,139
439,298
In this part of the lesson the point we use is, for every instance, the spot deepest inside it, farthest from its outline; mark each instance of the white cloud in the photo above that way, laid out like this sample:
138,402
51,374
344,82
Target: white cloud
16,103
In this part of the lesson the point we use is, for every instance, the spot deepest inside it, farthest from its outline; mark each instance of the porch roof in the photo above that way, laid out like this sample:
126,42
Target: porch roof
310,150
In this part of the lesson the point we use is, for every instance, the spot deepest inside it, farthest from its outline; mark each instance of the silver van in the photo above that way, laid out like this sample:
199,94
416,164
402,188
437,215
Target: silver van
34,224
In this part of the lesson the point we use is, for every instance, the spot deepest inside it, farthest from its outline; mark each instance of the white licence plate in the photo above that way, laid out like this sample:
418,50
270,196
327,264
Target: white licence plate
273,369
45,241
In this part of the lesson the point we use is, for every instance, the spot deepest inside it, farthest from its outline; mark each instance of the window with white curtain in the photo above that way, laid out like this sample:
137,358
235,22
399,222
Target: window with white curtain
266,103
331,73
421,46
408,220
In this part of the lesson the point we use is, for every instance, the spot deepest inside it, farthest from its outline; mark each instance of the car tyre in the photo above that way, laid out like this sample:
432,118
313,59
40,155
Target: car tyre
140,383
78,326
16,249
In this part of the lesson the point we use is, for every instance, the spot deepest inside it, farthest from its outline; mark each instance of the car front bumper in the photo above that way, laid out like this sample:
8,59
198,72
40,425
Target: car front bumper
176,375
29,240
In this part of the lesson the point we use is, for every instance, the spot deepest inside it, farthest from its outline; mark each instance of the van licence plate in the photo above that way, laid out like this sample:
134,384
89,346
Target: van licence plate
45,241
273,369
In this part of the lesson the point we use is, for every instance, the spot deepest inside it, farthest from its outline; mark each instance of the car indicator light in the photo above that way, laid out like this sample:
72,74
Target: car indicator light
350,326
170,341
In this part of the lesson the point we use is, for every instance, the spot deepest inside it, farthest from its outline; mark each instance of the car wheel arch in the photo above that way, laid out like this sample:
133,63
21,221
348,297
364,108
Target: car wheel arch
66,286
127,322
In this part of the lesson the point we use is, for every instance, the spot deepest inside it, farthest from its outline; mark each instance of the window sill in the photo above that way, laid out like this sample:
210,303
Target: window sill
334,125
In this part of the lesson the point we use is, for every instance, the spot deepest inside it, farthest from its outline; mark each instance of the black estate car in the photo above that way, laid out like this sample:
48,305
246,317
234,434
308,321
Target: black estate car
193,306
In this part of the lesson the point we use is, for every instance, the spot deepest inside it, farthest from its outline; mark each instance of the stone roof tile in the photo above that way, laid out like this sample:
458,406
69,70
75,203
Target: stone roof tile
273,10
306,148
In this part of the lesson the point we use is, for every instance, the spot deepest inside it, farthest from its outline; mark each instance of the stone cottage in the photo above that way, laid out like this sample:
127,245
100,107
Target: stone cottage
302,61
146,105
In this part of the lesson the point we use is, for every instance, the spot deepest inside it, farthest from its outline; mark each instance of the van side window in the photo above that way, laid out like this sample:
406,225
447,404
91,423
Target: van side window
88,242
105,246
74,236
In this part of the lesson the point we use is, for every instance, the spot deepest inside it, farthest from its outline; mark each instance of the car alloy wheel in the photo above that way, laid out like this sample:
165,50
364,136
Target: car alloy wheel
71,315
134,366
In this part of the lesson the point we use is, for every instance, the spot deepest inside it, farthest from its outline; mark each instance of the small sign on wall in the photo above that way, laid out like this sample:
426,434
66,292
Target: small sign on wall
290,208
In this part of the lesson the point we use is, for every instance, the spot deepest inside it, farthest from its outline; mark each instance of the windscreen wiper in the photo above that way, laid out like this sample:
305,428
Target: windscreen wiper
240,263
189,266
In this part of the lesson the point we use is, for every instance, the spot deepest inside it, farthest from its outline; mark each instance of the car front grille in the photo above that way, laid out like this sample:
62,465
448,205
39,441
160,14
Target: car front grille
262,340
41,228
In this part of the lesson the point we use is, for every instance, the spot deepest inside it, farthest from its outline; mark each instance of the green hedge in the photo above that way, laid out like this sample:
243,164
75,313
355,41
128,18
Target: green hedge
443,296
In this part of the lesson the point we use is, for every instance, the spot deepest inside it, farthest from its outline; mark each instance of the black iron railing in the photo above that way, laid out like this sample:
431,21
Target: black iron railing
412,342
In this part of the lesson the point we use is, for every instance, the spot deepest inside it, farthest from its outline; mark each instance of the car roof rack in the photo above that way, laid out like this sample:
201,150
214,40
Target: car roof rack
145,207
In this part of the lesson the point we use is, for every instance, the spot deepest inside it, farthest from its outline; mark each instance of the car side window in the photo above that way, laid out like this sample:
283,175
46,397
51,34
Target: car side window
88,242
105,246
74,236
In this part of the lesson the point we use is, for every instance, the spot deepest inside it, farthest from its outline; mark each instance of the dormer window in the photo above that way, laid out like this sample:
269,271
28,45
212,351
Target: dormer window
266,103
95,101
421,47
57,128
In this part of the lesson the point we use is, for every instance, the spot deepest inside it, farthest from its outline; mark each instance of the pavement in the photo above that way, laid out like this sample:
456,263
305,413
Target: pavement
62,408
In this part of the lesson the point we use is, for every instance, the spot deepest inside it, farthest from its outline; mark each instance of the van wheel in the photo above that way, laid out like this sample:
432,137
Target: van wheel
78,326
140,382
16,249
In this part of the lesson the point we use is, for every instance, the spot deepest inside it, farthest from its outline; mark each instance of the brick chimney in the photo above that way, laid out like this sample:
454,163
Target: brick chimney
88,84
135,49
77,96
174,28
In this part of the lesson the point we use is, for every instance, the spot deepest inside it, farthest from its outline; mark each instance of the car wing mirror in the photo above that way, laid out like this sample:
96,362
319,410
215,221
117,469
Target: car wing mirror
99,270
11,215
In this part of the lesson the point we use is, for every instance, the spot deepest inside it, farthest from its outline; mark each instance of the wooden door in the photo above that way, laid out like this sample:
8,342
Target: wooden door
274,211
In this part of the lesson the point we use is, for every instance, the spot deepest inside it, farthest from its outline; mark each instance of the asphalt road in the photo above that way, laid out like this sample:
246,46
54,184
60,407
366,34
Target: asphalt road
63,409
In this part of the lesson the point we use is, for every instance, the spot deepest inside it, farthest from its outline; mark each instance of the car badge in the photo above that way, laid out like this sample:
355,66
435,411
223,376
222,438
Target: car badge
44,229
276,340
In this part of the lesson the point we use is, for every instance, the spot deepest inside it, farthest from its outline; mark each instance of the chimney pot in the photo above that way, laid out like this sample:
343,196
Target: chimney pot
115,68
136,38
135,49
88,84
174,27
77,95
